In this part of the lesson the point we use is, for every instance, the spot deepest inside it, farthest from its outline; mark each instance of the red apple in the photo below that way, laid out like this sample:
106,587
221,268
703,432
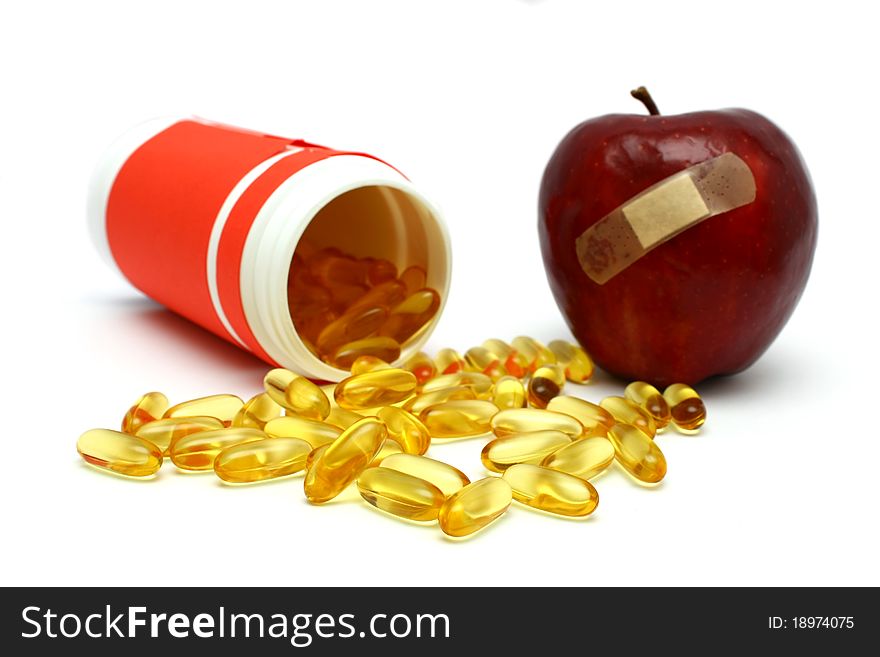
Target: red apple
711,299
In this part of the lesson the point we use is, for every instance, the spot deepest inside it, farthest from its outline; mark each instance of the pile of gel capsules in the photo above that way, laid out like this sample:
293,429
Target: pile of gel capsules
373,429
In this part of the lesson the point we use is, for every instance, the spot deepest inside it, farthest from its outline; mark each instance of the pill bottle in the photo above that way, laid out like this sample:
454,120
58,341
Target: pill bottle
205,218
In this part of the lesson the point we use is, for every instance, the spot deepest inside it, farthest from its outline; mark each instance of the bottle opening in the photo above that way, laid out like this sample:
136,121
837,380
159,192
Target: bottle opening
367,275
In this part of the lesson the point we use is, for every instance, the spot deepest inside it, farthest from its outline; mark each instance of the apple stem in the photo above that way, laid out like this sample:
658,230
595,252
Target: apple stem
642,95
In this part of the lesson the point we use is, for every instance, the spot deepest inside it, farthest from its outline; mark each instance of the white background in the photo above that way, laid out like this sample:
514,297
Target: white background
469,99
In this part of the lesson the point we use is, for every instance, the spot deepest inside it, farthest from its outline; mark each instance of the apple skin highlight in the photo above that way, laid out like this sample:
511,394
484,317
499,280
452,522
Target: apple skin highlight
712,299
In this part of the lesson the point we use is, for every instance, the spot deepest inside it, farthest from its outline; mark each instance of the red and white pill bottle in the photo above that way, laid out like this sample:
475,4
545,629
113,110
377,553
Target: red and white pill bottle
206,219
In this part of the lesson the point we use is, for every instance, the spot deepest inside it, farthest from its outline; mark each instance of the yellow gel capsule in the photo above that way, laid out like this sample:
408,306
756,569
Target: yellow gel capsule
387,294
533,447
649,399
384,348
197,451
380,271
401,494
256,412
297,394
686,407
342,418
222,407
314,432
371,389
583,458
514,362
449,361
575,362
390,448
587,413
356,323
344,460
364,364
546,383
625,411
509,392
411,315
534,353
405,429
149,407
119,452
163,432
420,402
414,278
475,506
447,478
459,418
480,383
637,453
421,365
524,420
314,454
262,459
551,490
483,361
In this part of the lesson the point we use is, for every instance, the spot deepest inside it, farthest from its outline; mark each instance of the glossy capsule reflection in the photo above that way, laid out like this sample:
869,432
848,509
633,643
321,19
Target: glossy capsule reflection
515,363
623,410
377,388
575,362
314,432
686,407
119,452
447,478
449,361
197,451
551,490
422,366
483,361
222,407
256,412
400,494
587,413
649,399
535,354
260,460
149,407
545,384
405,429
475,506
509,392
420,402
637,453
500,453
583,458
524,420
296,394
459,418
342,462
384,348
163,432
